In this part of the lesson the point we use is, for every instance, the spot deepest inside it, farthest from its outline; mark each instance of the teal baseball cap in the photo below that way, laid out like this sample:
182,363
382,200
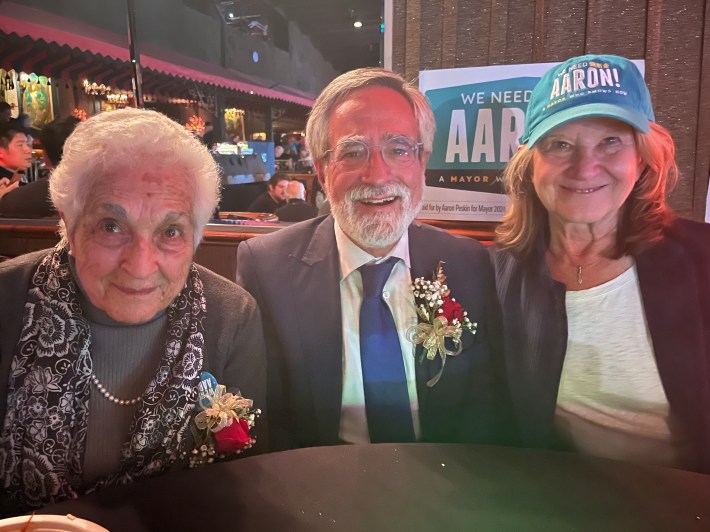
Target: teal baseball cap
586,86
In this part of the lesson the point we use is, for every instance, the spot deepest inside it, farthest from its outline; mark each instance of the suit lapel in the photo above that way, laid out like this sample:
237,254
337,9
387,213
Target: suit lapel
316,294
423,265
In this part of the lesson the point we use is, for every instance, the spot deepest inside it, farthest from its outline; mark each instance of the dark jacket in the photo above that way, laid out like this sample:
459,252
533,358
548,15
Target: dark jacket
264,203
674,276
29,201
303,330
296,210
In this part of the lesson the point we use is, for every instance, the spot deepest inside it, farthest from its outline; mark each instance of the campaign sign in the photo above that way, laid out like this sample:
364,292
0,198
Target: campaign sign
480,115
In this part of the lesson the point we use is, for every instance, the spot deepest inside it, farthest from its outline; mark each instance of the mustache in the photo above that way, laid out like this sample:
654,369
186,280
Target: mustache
363,192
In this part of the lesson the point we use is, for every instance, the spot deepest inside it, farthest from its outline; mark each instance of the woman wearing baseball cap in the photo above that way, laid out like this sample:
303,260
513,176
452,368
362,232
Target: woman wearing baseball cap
605,292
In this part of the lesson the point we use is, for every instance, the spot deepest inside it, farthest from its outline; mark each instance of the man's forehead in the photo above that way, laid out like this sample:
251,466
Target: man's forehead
371,99
355,103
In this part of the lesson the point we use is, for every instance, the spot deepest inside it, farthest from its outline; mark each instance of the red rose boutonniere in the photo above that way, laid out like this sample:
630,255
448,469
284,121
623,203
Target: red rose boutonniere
441,317
233,438
223,423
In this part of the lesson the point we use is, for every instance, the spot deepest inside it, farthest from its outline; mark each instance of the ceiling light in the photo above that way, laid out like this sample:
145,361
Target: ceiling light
357,24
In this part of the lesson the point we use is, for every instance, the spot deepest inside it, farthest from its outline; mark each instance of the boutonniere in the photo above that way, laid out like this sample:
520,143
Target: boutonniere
441,317
222,424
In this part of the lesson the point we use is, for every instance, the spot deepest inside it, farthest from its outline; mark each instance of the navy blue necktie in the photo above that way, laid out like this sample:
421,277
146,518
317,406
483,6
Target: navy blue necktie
389,416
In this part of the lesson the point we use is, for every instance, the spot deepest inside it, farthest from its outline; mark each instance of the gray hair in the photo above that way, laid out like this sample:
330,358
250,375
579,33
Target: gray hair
129,141
295,190
344,85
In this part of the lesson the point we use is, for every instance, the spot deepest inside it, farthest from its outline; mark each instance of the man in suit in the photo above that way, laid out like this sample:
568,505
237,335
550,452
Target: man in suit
370,134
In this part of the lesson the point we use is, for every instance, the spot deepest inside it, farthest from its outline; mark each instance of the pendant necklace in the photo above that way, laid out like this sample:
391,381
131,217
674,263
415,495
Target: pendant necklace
580,270
578,267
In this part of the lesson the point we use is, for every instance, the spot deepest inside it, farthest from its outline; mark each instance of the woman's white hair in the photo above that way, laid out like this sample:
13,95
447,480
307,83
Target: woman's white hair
129,141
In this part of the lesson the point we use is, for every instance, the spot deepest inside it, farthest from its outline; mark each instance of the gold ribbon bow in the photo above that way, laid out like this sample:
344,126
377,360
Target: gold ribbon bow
226,407
433,337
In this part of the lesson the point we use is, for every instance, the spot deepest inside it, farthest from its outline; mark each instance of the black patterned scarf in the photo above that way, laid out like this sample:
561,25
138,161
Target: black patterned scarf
44,432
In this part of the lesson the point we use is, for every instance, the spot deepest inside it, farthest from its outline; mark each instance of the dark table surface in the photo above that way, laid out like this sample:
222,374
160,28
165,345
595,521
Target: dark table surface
409,487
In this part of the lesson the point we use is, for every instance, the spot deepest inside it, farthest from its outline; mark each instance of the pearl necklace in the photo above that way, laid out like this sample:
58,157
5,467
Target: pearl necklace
108,395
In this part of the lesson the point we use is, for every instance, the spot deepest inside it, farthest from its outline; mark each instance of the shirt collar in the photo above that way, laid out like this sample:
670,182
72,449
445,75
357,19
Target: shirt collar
352,256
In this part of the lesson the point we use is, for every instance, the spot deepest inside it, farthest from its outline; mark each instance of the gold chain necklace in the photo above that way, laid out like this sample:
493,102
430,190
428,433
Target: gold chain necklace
580,270
579,267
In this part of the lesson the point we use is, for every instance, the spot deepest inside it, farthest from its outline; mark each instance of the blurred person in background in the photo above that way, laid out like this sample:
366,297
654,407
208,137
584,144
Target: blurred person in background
105,338
32,200
15,155
296,208
208,135
5,112
274,197
605,291
305,161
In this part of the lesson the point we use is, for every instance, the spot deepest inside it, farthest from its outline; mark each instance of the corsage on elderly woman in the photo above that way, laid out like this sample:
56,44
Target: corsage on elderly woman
104,339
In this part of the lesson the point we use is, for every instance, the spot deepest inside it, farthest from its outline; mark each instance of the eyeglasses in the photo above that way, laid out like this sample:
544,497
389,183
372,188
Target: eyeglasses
397,152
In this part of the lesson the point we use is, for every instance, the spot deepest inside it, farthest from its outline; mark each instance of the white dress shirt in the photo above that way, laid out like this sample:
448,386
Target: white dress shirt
400,299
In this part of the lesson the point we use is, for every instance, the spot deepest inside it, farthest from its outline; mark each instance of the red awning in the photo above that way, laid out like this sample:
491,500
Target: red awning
69,49
61,62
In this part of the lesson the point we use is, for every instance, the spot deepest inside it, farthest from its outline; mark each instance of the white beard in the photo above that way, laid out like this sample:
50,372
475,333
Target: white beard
381,230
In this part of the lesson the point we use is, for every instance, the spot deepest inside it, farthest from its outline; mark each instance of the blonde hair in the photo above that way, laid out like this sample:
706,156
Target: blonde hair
128,141
644,215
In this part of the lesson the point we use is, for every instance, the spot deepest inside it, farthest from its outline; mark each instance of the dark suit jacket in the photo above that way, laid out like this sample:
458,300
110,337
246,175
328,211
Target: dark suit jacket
294,275
674,277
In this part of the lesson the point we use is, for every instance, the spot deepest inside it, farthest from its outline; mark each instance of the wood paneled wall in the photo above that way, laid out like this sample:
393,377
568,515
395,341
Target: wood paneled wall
673,36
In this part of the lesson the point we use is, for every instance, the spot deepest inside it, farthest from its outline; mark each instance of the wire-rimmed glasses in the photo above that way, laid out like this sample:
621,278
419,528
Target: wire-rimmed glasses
397,152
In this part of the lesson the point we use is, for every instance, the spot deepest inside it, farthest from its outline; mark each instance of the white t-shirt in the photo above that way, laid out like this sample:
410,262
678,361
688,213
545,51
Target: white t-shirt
611,401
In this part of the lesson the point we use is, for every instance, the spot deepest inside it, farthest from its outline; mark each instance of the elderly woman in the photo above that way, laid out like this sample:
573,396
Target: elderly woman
105,338
605,292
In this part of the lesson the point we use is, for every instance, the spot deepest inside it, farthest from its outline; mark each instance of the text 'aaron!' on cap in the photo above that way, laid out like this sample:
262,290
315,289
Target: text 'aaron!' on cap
586,86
